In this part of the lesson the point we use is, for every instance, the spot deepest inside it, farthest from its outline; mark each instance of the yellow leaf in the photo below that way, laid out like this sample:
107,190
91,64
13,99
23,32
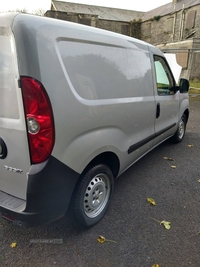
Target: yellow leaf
13,245
166,224
156,265
101,239
173,167
151,201
190,145
165,158
198,180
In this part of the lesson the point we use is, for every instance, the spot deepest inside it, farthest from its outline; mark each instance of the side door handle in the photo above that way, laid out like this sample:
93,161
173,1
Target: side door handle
158,110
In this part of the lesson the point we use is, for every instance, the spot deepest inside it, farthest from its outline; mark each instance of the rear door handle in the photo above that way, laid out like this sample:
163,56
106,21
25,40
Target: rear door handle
158,110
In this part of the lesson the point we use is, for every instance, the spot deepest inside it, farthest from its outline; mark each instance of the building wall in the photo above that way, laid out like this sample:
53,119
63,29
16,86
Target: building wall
194,70
114,26
92,20
173,27
85,19
178,32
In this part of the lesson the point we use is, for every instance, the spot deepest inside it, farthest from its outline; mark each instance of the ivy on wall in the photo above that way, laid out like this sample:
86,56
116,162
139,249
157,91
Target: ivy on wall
135,28
156,18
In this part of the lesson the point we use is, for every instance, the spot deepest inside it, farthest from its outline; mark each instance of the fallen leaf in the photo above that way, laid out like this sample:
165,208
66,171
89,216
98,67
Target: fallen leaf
165,158
13,245
198,180
151,201
166,224
156,265
101,239
190,145
173,167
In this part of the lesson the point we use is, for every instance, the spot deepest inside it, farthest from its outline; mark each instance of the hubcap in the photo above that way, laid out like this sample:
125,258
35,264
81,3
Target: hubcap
181,129
96,195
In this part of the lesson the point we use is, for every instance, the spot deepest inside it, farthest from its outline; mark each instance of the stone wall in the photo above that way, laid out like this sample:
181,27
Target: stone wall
178,32
114,26
194,70
92,20
174,27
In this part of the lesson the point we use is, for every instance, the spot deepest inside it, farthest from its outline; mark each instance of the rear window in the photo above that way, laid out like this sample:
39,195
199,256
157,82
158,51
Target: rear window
8,81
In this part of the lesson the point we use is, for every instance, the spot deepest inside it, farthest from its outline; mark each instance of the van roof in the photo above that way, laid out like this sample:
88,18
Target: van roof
27,27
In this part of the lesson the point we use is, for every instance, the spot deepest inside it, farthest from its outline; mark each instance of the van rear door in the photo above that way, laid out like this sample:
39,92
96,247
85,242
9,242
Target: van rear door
14,149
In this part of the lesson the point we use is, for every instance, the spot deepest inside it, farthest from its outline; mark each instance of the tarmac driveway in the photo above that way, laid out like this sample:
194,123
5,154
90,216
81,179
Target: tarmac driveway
132,222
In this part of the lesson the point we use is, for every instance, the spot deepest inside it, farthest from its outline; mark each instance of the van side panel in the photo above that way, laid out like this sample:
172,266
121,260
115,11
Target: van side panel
100,86
112,84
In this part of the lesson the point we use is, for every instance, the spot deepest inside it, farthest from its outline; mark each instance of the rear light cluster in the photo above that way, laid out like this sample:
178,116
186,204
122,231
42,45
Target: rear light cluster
39,117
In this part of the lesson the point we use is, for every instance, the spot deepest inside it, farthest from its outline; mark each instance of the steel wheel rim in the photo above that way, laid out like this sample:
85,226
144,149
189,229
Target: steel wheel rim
96,195
181,129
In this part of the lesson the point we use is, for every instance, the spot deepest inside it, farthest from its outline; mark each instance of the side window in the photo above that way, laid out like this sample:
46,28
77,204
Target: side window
164,78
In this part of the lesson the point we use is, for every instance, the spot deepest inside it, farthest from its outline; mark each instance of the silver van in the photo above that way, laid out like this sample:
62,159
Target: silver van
78,106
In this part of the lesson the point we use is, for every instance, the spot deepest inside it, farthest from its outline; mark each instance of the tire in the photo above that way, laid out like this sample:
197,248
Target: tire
179,135
92,195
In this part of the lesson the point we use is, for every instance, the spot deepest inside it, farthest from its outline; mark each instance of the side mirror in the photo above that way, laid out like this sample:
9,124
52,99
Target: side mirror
184,85
174,89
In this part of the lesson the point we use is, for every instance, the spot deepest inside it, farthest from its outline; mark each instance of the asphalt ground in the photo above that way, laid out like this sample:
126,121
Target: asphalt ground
132,222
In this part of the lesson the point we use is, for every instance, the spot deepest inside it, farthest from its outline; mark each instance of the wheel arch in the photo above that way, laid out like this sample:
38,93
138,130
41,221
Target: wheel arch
75,211
186,113
108,158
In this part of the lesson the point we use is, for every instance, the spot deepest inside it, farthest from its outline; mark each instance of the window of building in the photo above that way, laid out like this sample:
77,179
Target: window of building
190,20
125,29
147,30
169,25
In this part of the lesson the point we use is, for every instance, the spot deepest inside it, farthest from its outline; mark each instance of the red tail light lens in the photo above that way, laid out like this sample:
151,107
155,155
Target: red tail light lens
39,117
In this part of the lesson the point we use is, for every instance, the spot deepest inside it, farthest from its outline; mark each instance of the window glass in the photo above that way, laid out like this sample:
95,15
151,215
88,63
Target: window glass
164,78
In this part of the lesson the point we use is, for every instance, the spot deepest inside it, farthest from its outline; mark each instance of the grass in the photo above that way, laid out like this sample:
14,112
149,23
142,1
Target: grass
194,87
195,84
194,91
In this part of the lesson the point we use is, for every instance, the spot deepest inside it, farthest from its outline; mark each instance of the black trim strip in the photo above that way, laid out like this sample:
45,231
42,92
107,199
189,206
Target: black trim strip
148,139
165,130
140,143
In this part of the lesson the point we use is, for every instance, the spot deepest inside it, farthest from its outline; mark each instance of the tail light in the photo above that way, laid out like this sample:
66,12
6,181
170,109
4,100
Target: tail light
39,118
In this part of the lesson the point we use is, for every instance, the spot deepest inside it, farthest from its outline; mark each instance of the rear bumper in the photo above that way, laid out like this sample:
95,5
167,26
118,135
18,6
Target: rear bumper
48,196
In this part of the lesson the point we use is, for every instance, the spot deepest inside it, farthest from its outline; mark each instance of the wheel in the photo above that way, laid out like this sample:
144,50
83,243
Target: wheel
92,195
179,135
